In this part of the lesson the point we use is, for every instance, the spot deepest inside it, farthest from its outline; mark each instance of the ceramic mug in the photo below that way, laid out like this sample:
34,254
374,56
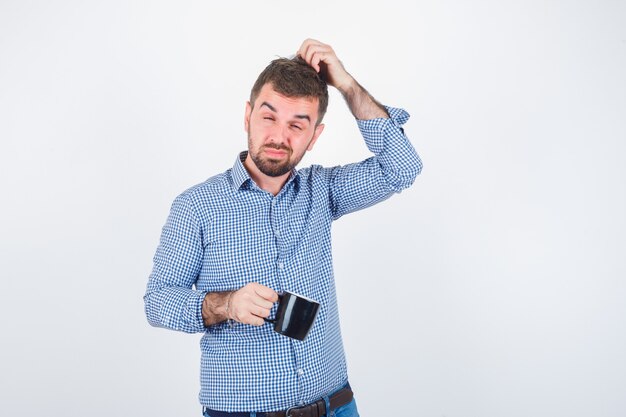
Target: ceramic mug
295,315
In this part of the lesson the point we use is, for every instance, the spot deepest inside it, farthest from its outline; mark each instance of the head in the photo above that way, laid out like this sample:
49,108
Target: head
284,114
293,78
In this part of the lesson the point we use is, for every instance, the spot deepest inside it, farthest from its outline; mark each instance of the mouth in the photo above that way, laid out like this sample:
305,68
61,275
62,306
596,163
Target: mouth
274,153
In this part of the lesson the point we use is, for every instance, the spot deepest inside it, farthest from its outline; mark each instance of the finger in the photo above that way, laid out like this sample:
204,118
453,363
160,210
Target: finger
260,311
303,52
249,314
311,49
262,303
316,58
305,45
253,320
266,293
326,56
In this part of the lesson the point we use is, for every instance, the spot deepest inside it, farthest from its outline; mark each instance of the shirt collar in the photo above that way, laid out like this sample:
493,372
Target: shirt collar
240,173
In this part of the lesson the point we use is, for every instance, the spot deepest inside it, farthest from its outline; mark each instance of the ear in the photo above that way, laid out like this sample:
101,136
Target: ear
246,120
318,131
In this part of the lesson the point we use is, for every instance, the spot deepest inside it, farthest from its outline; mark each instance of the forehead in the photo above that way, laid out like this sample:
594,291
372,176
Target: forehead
286,106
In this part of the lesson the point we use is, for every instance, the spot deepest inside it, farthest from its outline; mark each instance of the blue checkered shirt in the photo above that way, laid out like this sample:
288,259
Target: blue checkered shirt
226,232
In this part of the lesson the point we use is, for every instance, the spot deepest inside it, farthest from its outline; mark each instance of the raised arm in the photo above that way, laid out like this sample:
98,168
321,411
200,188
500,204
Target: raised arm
395,163
323,59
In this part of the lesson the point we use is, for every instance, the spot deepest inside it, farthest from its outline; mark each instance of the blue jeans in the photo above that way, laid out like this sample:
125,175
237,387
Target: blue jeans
348,410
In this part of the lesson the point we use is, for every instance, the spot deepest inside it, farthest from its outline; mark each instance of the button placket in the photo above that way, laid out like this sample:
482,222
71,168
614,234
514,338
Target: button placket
275,223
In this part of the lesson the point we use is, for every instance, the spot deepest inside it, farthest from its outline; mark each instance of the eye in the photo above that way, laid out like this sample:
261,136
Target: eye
268,118
296,127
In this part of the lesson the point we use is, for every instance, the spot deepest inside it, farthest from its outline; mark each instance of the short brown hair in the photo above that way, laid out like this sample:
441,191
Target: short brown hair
293,78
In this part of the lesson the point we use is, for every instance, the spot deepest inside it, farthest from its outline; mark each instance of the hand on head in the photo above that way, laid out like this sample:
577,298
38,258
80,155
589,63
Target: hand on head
323,59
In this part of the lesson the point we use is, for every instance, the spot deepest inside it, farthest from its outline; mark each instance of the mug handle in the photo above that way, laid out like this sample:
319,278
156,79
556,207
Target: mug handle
280,298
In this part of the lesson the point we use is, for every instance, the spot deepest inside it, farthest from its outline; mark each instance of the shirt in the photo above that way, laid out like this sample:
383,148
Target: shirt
226,232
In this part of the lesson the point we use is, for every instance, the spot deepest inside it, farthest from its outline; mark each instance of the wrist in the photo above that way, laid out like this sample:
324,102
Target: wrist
348,87
216,307
227,310
362,105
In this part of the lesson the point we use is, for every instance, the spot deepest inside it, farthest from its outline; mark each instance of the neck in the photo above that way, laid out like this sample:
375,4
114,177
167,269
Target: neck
272,185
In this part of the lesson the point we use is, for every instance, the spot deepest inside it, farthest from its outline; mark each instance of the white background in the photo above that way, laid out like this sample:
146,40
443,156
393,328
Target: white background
494,287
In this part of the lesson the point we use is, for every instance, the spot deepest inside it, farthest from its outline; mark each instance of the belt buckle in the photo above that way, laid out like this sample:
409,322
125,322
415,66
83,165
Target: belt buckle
299,413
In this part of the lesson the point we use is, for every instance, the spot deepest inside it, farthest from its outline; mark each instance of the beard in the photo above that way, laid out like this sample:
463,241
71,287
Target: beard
270,166
274,167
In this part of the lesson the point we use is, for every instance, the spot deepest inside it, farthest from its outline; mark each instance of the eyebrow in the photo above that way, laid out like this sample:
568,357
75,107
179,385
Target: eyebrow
297,116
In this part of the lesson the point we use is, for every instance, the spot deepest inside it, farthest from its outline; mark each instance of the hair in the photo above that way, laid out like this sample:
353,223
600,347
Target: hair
293,77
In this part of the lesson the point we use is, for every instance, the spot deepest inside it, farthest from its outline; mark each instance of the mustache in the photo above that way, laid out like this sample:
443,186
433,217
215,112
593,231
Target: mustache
278,146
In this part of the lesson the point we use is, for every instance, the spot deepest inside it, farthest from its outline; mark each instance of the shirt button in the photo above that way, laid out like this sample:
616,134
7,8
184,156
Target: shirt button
300,372
281,265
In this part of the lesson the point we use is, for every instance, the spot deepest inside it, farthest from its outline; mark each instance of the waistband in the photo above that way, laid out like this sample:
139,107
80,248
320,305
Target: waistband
316,409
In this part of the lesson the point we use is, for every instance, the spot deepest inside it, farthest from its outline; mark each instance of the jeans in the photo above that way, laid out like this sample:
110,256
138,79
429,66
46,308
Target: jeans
348,410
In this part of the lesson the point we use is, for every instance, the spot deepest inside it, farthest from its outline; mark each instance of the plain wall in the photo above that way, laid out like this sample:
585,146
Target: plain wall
493,287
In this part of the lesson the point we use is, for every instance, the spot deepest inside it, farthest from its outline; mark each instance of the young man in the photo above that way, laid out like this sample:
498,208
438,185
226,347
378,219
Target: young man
263,227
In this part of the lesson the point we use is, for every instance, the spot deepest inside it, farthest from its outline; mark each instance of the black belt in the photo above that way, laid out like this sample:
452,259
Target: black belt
316,409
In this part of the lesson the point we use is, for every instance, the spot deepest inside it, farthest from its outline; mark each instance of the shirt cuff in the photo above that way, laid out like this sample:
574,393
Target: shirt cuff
194,309
374,131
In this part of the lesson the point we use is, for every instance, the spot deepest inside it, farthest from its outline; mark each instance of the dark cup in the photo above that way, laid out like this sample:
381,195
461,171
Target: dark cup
295,315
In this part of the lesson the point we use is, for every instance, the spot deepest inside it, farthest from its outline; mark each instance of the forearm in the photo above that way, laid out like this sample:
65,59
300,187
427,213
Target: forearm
192,311
323,59
396,156
393,167
248,305
170,300
175,308
361,103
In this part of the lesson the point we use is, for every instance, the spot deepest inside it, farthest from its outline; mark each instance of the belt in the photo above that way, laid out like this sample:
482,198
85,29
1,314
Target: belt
316,409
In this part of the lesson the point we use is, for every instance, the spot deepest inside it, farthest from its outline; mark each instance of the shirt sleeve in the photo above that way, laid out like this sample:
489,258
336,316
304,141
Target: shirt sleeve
394,166
170,300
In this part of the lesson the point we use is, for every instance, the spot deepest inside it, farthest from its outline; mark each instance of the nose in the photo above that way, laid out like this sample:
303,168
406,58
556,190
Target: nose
278,134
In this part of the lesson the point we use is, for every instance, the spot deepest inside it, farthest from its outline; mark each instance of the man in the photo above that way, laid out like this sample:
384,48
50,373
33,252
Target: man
263,227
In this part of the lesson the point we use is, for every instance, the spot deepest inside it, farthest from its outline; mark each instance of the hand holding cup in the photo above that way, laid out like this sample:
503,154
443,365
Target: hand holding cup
251,304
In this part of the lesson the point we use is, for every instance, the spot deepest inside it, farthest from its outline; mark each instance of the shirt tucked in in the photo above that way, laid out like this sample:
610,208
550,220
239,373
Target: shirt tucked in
226,232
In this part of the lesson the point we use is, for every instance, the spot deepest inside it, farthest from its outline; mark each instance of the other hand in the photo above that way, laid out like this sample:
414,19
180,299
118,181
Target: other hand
251,304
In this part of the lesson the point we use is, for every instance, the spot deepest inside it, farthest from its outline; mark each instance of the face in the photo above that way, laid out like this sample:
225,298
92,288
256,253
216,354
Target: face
280,130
